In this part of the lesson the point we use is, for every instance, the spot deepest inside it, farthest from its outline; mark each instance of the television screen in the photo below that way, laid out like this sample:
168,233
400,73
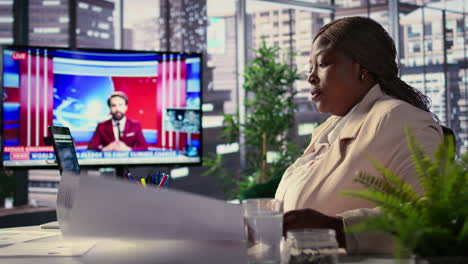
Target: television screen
122,107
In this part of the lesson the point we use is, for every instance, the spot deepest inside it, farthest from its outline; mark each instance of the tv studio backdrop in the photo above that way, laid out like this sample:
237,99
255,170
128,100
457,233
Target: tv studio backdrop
58,35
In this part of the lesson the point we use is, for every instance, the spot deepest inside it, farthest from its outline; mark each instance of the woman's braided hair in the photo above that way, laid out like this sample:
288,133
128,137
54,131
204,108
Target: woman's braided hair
369,44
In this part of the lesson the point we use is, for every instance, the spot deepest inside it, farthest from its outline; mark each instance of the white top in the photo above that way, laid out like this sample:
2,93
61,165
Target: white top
299,173
342,146
122,127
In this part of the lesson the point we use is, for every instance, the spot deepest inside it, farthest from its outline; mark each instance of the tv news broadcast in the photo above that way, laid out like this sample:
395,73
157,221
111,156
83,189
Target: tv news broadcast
160,93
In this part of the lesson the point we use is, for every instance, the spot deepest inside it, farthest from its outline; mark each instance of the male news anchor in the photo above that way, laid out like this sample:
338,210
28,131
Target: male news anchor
118,133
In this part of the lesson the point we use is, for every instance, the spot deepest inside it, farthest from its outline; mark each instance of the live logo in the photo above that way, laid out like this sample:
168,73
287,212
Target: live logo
19,55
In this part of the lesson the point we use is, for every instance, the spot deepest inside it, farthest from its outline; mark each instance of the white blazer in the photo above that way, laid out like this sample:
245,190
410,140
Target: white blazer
374,129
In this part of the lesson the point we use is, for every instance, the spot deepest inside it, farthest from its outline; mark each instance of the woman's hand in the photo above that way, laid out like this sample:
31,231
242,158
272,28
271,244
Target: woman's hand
309,218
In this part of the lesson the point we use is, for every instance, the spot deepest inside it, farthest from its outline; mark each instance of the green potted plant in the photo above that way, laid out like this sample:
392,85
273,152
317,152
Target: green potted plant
269,117
432,225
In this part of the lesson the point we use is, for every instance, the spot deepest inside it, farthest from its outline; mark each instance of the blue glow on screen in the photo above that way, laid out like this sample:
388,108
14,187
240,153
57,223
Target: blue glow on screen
193,75
80,103
10,70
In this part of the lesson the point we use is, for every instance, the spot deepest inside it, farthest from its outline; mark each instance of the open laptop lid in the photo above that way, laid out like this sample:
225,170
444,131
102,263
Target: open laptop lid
64,149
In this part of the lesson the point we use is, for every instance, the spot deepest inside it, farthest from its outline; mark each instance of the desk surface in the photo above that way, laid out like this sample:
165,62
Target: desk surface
160,251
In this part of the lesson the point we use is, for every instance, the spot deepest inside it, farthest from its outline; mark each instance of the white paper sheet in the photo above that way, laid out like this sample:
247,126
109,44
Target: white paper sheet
50,225
103,207
17,236
49,249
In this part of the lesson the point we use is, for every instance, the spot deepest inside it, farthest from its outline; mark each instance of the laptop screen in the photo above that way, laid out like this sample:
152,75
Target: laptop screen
64,149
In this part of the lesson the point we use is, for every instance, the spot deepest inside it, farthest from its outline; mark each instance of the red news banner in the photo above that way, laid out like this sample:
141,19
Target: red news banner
22,153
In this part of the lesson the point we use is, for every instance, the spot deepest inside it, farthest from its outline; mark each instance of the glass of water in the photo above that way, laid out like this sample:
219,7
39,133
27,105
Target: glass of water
263,220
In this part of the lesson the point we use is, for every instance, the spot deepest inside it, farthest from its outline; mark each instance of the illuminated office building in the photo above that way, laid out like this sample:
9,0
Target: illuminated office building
145,36
49,23
351,3
221,58
292,30
440,71
184,28
6,21
358,3
95,24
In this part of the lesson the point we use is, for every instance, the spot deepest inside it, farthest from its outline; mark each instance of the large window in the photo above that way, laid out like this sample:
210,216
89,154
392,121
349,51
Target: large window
49,23
6,21
433,55
95,23
142,27
292,29
222,51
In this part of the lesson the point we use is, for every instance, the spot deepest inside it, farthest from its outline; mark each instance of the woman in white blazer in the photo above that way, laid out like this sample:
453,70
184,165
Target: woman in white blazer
354,76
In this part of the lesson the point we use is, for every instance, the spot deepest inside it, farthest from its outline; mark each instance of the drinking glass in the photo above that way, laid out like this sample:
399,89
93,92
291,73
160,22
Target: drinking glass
263,220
